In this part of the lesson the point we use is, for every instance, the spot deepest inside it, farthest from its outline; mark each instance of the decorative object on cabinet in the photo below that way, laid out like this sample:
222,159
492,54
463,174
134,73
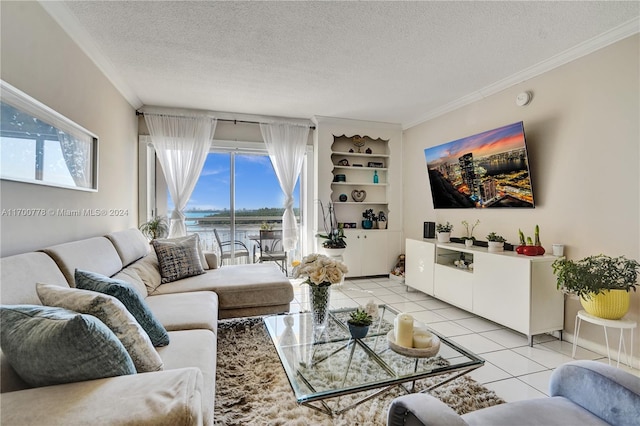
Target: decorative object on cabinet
375,176
444,232
496,242
340,178
358,195
369,219
343,162
359,142
333,236
356,165
429,230
558,250
368,151
596,280
343,197
469,238
375,164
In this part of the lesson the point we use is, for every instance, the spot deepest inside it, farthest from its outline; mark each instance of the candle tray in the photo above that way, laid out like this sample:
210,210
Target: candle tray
414,352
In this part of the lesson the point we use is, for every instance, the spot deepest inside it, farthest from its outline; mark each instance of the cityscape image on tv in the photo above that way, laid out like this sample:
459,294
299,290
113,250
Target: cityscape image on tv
490,169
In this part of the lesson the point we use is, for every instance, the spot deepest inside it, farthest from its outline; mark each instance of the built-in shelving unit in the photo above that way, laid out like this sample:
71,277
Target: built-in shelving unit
369,251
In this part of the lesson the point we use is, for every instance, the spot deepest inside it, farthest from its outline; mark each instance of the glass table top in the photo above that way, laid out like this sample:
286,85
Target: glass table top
327,364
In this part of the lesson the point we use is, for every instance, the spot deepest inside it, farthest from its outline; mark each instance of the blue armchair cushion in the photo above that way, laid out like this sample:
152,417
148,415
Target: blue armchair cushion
49,345
130,298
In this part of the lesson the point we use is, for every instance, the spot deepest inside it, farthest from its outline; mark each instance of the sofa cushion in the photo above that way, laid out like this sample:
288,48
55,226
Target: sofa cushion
195,348
20,273
93,254
239,286
178,258
186,311
130,244
131,276
113,314
148,270
130,298
48,346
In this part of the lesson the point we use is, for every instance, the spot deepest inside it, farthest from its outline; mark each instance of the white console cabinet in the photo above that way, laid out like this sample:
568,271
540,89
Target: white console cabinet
514,290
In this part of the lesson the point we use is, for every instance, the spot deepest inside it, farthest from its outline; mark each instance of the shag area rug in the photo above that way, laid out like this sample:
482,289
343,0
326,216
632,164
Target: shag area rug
252,387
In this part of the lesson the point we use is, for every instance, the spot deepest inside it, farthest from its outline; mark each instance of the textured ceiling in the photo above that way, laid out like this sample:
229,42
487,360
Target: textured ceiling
398,62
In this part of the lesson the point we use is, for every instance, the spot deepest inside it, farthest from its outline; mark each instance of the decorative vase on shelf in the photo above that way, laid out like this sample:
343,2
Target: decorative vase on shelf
496,246
367,224
319,296
468,243
382,224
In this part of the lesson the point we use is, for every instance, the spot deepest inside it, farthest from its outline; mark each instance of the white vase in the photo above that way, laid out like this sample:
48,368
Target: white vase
468,243
382,225
496,246
333,252
444,237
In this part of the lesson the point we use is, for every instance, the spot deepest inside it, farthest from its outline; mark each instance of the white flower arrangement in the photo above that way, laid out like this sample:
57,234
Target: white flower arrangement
320,270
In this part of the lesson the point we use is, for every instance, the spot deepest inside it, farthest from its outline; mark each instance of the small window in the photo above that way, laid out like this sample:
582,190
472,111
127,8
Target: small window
38,145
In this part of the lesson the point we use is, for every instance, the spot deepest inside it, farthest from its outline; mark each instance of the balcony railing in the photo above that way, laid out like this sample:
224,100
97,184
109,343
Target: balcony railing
247,230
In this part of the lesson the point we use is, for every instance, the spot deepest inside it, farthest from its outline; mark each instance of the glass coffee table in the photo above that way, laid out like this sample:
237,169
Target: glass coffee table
324,366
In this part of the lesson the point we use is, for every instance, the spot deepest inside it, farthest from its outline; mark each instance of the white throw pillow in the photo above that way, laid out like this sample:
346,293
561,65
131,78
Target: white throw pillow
113,314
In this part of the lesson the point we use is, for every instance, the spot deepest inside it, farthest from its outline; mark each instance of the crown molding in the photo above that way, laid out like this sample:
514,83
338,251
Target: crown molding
587,47
69,23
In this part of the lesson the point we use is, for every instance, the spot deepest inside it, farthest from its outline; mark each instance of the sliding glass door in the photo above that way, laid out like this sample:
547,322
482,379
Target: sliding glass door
237,194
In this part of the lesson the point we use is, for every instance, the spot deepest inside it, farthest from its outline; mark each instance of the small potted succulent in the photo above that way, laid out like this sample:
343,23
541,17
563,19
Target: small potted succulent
468,237
444,232
382,220
369,217
530,247
155,228
496,242
359,322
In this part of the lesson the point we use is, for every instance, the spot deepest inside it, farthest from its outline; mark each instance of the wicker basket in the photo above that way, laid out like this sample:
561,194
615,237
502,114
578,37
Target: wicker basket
612,304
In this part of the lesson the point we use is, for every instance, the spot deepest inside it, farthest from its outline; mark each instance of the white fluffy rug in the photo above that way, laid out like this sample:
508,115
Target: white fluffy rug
252,387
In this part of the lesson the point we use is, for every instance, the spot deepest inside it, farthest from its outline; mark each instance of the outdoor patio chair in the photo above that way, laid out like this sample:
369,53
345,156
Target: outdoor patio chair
240,249
271,249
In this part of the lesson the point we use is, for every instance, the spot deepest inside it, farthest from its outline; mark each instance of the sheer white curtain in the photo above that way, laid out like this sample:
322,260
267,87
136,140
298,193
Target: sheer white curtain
286,144
182,145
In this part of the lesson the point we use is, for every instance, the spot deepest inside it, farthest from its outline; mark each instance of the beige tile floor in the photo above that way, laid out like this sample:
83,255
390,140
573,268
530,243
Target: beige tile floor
512,369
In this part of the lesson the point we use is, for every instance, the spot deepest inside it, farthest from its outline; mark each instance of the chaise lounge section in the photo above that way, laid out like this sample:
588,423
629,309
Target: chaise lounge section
183,392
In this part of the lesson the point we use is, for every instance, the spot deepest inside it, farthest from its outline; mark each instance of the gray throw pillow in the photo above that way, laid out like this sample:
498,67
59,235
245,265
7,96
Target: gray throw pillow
130,298
113,314
178,257
49,346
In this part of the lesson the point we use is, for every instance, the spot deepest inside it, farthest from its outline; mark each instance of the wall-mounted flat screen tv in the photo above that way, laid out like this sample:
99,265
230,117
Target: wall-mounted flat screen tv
487,170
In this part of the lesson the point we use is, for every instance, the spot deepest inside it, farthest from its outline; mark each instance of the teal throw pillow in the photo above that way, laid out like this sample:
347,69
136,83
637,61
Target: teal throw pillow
50,346
130,298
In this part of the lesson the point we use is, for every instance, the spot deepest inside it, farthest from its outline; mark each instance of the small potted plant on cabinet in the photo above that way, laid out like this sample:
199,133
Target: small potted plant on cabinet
155,228
444,232
359,322
469,238
602,282
496,242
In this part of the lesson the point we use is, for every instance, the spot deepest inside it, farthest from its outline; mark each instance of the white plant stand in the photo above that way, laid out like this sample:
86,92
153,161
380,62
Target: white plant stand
621,324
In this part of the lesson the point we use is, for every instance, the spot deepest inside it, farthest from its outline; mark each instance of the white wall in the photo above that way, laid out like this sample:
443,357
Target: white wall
41,60
583,141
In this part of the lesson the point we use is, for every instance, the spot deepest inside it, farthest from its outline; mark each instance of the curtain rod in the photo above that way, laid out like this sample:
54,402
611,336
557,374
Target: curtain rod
222,119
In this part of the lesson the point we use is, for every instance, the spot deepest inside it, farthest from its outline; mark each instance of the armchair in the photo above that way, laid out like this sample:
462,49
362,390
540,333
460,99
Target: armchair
581,393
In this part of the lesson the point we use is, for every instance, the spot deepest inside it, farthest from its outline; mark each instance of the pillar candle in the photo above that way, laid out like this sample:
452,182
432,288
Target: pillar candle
421,339
404,330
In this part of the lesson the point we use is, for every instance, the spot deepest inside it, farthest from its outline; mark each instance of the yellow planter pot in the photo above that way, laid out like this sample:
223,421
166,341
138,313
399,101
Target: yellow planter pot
612,304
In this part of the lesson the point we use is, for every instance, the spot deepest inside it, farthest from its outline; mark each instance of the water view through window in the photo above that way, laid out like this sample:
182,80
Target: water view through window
236,194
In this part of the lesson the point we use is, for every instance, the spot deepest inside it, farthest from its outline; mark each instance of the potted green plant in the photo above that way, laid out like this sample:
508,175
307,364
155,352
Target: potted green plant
155,228
468,237
599,280
496,242
359,322
444,232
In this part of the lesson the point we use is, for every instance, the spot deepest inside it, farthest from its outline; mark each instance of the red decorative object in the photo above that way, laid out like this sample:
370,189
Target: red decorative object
520,249
530,250
541,250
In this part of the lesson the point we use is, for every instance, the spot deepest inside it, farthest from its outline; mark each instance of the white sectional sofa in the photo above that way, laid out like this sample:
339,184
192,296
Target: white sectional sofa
183,392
